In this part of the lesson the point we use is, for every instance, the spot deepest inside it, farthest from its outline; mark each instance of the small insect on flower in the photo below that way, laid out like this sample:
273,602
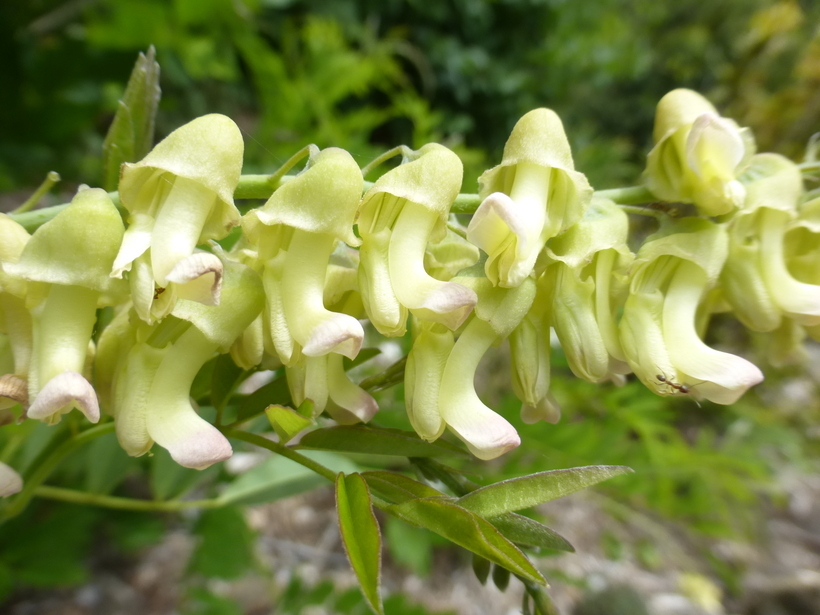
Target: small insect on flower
158,291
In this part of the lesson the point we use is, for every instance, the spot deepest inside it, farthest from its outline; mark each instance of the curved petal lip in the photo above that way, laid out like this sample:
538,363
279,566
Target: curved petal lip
66,390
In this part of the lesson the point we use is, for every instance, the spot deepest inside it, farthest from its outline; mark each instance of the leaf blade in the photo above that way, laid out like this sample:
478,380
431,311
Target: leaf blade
377,441
467,530
360,535
527,491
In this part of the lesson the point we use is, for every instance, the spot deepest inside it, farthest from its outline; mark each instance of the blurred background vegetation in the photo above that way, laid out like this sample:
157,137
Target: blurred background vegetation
367,75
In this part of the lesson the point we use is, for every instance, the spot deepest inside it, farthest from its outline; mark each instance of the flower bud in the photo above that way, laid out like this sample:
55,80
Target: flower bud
583,262
755,280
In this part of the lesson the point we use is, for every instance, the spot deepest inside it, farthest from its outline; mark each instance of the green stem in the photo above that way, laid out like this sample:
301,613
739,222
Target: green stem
633,195
42,472
543,603
642,210
111,501
384,380
51,178
285,451
263,186
399,149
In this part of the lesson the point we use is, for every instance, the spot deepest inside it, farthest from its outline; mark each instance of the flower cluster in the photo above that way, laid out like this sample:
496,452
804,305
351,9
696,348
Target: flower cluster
323,256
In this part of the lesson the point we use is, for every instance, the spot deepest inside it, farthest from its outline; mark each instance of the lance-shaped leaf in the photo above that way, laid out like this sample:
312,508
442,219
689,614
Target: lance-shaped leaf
398,488
527,491
467,530
131,134
529,532
360,535
377,441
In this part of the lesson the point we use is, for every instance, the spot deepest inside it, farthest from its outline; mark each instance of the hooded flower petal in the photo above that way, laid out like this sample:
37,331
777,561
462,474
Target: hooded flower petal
63,393
698,155
296,233
546,196
486,433
403,211
719,376
180,195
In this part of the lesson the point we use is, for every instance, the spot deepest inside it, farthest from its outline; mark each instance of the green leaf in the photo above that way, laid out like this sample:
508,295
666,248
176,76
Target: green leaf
225,549
224,380
377,441
467,530
278,477
360,535
131,134
530,533
106,464
398,488
527,491
286,422
501,577
481,568
171,480
274,392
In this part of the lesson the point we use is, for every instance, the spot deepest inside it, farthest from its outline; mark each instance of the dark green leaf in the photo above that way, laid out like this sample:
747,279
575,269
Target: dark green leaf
481,568
106,464
467,530
398,488
528,532
224,380
527,491
286,422
501,577
131,134
274,392
225,549
377,441
171,480
360,535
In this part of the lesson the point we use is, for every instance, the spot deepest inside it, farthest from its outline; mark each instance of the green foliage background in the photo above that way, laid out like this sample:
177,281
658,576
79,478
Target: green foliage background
370,74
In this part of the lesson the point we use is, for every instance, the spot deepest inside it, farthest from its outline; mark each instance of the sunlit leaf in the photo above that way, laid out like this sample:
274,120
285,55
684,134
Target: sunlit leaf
527,491
467,530
360,534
